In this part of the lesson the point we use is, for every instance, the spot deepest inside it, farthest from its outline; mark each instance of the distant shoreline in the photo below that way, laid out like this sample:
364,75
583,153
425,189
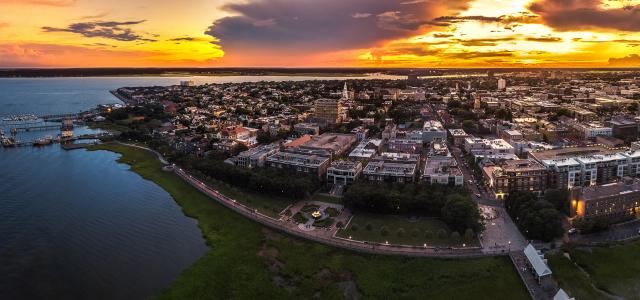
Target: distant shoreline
312,72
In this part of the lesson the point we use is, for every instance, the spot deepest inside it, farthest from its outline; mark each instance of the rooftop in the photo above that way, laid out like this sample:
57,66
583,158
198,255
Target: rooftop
617,188
536,260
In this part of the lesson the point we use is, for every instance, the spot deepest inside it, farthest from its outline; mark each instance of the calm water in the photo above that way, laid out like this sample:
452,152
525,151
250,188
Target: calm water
77,224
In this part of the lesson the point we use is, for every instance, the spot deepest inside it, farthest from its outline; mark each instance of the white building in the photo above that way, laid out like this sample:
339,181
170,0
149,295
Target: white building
366,149
592,130
431,131
487,147
502,84
343,172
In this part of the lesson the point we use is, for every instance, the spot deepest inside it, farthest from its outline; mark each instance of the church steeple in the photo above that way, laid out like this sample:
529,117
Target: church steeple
345,92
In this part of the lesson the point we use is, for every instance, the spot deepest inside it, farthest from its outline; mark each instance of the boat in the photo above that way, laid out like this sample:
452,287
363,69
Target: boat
47,140
8,142
21,118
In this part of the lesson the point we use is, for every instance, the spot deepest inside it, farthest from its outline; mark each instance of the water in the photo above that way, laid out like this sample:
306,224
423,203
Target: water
42,96
77,224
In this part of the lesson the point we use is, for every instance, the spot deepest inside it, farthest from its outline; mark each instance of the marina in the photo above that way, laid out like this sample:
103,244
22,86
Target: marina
31,123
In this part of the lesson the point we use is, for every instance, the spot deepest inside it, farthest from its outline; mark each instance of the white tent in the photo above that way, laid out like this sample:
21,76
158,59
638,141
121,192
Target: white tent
536,260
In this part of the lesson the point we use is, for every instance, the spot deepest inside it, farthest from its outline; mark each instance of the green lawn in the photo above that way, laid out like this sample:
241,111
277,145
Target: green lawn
414,232
615,270
268,205
321,197
247,261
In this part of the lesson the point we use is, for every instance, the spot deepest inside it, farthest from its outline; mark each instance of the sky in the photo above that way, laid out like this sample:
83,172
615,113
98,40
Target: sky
320,33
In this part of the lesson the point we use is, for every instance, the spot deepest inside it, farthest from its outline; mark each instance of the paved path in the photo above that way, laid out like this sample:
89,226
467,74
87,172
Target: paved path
615,233
501,233
325,236
535,290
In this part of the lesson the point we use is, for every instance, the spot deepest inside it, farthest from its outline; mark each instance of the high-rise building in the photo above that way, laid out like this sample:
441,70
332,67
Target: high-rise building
328,111
502,84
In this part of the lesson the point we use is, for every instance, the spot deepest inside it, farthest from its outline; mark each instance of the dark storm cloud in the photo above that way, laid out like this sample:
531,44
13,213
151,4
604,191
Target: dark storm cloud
520,18
544,39
586,14
471,54
316,26
104,29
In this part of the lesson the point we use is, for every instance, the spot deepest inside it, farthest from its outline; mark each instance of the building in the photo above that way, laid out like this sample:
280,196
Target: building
614,201
623,128
431,131
313,162
360,132
526,175
328,111
306,128
502,84
343,172
510,135
392,167
335,143
366,149
591,130
440,167
487,147
458,136
404,146
255,157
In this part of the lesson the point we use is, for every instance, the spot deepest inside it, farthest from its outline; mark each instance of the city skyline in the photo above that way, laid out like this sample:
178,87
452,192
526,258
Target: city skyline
359,33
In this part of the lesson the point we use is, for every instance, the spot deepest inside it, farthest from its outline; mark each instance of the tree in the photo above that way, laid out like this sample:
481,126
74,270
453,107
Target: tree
560,200
469,125
537,218
461,213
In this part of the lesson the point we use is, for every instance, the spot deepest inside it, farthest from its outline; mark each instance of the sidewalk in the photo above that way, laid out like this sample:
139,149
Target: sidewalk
325,236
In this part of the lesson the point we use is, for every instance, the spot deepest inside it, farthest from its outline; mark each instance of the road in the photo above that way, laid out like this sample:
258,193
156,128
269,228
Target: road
615,233
500,233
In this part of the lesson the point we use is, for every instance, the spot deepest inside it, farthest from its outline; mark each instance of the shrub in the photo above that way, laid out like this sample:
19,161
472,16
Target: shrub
299,218
442,233
384,230
369,226
455,235
468,235
400,232
415,232
428,234
354,227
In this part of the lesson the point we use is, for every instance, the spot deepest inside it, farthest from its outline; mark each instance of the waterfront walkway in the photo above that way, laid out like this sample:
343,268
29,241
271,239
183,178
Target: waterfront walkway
324,236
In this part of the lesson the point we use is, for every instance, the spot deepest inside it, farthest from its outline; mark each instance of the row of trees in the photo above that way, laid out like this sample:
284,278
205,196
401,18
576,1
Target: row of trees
536,217
453,205
271,182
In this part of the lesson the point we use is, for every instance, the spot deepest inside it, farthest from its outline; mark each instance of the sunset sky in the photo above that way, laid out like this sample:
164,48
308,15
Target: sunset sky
319,33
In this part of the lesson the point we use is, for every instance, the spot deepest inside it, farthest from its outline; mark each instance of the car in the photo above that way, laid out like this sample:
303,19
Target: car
478,195
573,231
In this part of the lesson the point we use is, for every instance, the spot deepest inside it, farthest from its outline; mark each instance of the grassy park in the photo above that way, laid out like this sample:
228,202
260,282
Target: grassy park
248,261
599,273
268,205
402,230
